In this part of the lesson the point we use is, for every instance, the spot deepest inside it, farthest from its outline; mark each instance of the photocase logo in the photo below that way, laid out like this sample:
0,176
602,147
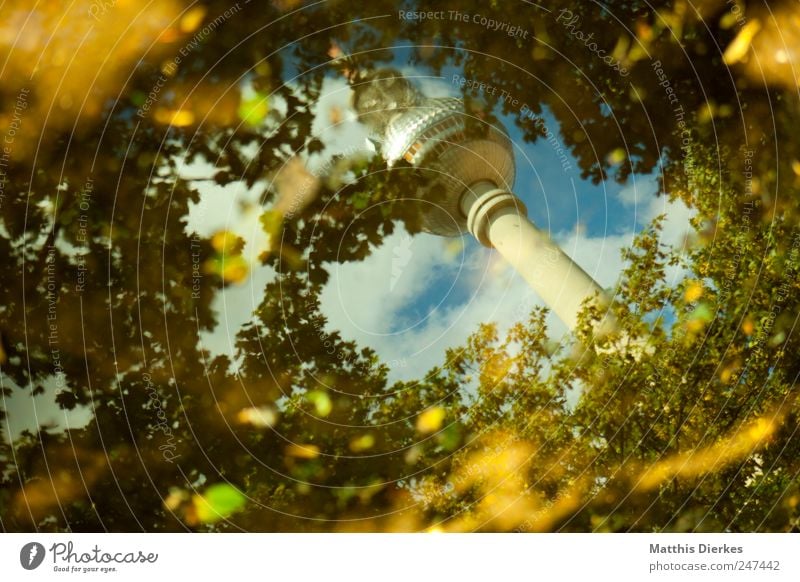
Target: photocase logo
31,555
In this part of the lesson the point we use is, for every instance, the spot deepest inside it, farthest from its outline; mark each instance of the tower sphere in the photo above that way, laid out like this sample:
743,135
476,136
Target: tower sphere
437,136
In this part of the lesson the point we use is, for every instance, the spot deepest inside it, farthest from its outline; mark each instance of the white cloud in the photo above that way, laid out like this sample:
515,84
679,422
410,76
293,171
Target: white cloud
641,197
360,304
24,411
336,124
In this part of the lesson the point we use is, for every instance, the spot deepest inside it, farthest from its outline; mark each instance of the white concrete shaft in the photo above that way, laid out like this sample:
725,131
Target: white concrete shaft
498,219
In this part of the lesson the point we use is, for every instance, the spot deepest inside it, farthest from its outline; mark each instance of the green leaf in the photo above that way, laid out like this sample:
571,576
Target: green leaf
271,221
218,502
253,111
321,401
360,200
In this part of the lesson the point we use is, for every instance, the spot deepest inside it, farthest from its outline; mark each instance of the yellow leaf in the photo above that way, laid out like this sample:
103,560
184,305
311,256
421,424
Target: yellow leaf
761,429
175,118
430,420
695,325
192,19
257,416
175,498
412,455
231,268
225,241
302,451
693,292
169,34
706,112
738,48
725,110
235,269
362,443
621,48
728,20
644,31
271,221
729,371
616,157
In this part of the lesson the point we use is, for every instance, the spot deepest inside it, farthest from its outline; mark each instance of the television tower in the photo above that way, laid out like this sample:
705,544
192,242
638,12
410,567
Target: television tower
473,171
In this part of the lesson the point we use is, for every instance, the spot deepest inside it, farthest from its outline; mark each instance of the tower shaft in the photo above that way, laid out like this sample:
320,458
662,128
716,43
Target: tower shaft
498,219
